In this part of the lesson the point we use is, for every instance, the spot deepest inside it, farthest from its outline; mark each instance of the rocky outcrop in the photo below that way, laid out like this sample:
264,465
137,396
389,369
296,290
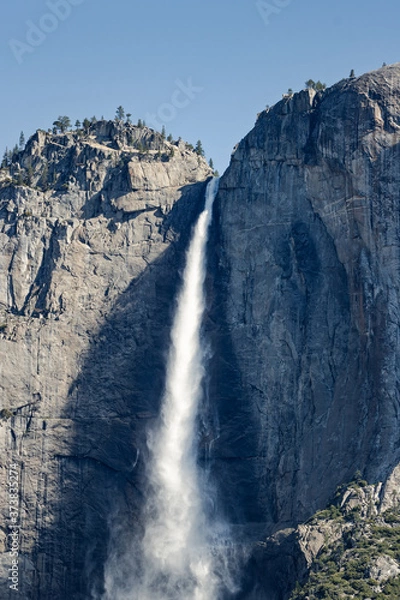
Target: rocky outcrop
91,247
303,322
350,549
305,296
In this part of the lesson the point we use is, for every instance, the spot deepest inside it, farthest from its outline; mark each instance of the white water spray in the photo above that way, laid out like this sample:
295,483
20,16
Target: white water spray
178,563
182,556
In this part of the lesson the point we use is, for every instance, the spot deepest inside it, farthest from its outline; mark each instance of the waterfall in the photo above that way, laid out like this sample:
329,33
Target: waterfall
183,554
177,561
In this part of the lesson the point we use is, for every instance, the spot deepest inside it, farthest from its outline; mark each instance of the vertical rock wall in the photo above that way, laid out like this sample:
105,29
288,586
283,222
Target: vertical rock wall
90,256
307,286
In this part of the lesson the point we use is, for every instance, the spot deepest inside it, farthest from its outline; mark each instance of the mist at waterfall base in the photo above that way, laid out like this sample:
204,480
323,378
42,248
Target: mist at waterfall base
185,551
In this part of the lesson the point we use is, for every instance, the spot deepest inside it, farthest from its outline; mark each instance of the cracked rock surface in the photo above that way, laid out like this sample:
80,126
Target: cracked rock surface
305,294
303,327
90,253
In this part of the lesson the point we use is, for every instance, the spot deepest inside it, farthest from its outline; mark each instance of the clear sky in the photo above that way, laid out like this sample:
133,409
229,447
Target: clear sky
203,68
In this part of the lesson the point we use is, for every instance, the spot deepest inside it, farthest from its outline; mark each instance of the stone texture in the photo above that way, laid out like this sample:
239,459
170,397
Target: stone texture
307,236
305,303
352,541
89,264
384,568
303,328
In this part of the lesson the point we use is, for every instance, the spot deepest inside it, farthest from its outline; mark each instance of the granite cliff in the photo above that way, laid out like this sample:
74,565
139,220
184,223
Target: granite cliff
305,298
303,326
91,250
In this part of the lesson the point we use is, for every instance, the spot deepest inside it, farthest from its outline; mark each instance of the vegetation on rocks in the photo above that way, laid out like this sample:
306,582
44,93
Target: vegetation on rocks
360,557
23,175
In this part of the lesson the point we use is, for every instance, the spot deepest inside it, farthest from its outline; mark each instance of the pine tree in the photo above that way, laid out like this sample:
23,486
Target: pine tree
15,152
129,118
216,173
65,123
4,162
199,148
140,123
315,85
211,163
352,74
170,138
62,124
77,124
120,113
163,132
21,141
86,124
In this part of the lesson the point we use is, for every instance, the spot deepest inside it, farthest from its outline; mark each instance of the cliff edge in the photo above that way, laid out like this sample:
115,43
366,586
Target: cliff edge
93,227
306,286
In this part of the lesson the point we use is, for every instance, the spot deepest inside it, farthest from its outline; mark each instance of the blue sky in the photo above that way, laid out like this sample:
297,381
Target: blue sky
204,68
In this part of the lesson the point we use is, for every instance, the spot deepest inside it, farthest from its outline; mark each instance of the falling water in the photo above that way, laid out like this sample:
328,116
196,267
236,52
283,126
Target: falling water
183,554
178,562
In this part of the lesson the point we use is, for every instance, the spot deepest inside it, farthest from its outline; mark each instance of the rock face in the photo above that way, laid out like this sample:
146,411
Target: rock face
308,261
303,328
350,549
90,256
305,297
